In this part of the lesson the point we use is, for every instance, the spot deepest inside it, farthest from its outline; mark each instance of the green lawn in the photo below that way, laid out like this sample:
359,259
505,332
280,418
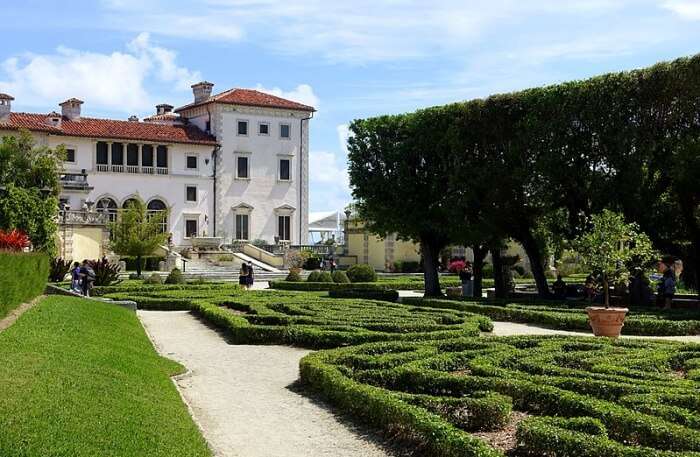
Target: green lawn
80,378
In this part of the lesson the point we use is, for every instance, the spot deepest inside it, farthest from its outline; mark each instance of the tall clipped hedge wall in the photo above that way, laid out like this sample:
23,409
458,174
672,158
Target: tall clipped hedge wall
23,276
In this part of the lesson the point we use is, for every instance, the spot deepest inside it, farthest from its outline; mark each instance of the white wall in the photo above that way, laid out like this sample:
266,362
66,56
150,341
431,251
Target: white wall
168,188
263,190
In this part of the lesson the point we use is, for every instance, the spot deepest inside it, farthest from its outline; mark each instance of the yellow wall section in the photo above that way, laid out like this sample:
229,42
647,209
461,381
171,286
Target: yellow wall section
87,243
376,253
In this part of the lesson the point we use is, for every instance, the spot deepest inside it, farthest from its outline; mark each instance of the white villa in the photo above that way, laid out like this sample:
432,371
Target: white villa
232,165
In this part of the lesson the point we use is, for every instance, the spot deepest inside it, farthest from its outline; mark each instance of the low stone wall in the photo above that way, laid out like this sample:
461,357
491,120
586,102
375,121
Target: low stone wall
55,290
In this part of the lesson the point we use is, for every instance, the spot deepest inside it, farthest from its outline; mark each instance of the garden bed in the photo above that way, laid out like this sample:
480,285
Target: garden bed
584,396
80,378
572,316
307,319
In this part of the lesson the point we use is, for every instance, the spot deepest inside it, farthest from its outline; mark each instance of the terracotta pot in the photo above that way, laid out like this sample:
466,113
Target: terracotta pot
606,321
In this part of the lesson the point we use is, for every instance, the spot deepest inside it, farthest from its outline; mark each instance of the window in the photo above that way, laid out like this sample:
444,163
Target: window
207,127
284,227
162,156
285,131
117,154
192,162
243,128
70,155
191,228
147,155
263,128
284,169
132,154
107,206
102,157
156,208
242,167
242,226
191,193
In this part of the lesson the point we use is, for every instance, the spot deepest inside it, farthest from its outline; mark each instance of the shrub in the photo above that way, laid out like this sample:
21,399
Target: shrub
259,242
410,266
225,258
22,277
312,263
135,276
313,276
293,275
324,276
370,294
155,278
106,273
487,271
293,259
58,269
150,263
362,273
340,277
199,280
175,277
14,240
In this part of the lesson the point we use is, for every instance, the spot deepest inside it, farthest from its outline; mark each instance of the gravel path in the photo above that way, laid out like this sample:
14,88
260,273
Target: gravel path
512,328
241,398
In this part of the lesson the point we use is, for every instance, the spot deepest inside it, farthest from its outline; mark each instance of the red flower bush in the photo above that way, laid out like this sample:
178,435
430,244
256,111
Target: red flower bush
456,266
15,240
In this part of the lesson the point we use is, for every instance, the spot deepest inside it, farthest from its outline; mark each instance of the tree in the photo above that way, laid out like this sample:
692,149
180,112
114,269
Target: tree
137,233
398,174
611,247
29,188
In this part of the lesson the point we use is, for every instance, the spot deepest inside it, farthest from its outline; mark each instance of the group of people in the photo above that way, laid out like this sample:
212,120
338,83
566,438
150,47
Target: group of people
330,264
82,278
245,276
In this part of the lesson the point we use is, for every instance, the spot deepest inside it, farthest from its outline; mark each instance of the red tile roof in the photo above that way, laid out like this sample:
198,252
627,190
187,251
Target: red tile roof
250,97
112,129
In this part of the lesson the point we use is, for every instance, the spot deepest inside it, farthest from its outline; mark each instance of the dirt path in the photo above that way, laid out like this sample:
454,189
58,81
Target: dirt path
241,397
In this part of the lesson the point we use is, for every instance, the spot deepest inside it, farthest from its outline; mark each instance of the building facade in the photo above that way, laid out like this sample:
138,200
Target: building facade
232,165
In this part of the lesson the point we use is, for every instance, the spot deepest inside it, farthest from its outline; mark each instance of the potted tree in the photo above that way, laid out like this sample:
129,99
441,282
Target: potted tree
609,247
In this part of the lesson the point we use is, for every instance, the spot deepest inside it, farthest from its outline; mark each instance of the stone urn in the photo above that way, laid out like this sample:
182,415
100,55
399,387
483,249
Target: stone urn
454,292
606,321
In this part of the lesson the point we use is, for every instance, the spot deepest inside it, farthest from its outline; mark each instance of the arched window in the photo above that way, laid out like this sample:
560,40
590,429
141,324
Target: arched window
107,206
128,202
156,208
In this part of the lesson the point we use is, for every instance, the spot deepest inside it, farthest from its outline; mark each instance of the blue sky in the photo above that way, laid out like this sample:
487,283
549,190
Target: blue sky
349,59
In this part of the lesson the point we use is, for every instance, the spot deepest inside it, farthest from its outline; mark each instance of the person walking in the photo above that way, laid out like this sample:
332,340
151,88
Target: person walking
243,276
249,278
75,285
332,265
88,277
666,287
466,277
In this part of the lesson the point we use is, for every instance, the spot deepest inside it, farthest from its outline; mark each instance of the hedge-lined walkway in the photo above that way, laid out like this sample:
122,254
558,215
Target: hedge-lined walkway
240,395
513,329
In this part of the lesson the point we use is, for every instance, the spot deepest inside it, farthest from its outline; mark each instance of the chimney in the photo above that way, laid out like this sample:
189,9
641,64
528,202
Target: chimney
164,108
201,91
133,118
71,109
54,119
5,107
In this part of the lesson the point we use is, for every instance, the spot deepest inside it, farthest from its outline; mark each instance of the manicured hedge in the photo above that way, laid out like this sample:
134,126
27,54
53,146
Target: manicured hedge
583,394
326,286
649,322
371,294
23,276
307,320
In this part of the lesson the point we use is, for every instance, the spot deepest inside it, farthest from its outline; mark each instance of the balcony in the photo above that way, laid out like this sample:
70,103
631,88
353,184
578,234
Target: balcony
131,169
68,217
75,182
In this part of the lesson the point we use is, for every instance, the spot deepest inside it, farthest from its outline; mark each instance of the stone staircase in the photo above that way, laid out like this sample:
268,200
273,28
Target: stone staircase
202,268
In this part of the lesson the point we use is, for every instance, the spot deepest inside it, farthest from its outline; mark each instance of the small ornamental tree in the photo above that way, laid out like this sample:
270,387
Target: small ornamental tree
136,233
611,246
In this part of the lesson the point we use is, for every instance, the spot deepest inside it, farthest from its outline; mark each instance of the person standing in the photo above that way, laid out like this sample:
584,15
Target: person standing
243,276
87,277
250,279
666,287
559,288
332,265
75,285
466,277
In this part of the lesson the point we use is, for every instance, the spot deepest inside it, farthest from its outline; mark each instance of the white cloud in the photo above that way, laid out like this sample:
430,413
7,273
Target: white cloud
343,135
329,180
687,9
115,81
303,93
354,32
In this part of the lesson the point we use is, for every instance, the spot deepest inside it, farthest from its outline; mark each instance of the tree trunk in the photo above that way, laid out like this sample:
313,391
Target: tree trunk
431,258
478,269
138,265
688,212
498,273
606,290
534,255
